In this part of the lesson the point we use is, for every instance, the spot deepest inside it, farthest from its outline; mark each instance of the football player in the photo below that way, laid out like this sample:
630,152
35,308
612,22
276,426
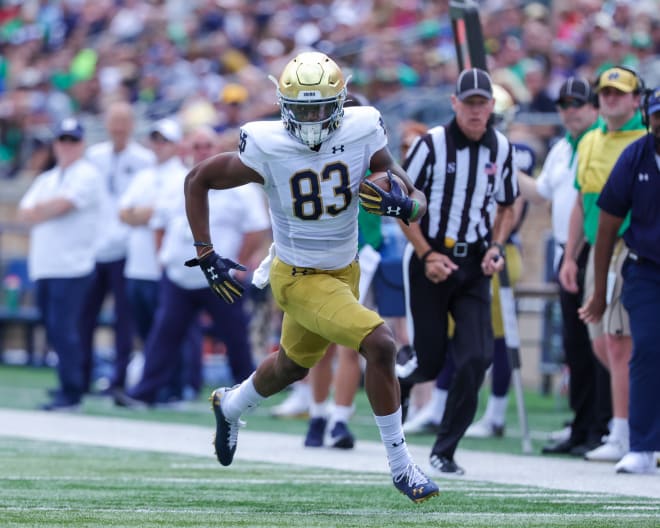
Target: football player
311,165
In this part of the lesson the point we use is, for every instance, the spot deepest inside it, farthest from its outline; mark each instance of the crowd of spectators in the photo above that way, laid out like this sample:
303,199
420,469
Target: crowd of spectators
73,57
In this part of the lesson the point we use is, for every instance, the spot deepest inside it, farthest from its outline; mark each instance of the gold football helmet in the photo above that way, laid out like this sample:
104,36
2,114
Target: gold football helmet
505,109
311,92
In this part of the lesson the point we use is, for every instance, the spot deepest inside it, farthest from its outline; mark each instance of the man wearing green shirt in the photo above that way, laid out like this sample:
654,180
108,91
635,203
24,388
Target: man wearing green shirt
619,91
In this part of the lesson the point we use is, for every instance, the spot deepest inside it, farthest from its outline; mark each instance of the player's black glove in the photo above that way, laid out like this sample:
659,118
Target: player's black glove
394,203
216,269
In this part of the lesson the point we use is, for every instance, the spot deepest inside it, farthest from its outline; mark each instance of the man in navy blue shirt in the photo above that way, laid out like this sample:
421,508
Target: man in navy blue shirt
634,187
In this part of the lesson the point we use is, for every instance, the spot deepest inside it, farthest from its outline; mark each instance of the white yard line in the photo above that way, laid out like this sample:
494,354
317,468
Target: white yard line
547,472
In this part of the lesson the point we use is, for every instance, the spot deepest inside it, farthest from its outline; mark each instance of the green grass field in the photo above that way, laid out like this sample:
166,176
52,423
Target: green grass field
57,485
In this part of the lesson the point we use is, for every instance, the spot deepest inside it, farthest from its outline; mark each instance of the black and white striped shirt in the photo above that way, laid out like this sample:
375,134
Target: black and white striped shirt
462,180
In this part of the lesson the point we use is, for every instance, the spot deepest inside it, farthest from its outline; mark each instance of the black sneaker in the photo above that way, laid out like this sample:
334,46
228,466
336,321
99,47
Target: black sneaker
315,432
340,437
61,404
560,448
445,465
226,431
122,399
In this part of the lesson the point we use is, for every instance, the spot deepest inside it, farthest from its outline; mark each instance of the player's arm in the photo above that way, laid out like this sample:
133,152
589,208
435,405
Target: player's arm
493,260
608,226
528,189
569,269
45,210
222,171
381,161
136,216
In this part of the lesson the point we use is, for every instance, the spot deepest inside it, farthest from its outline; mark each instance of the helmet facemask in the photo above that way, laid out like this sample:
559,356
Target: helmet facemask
311,94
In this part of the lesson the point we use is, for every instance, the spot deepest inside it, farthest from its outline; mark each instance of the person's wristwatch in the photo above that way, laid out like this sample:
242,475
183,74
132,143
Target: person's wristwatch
500,248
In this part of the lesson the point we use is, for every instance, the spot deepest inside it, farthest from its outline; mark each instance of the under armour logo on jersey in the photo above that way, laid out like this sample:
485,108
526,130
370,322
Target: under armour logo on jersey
340,148
643,176
213,275
393,211
451,167
242,140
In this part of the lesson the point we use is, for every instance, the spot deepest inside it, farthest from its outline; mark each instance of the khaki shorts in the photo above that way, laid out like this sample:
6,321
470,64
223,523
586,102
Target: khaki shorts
615,319
320,307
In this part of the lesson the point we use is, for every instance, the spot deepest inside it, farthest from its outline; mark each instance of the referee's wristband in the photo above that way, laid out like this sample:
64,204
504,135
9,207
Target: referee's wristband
500,248
425,255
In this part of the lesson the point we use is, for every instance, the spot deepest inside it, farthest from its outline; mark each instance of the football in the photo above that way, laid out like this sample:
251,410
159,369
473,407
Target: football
381,180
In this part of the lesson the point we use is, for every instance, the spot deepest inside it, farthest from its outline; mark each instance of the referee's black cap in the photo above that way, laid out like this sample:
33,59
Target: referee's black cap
474,82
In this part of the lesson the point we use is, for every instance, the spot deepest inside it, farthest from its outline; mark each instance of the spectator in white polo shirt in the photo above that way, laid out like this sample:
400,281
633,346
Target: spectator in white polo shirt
118,160
62,206
150,189
241,228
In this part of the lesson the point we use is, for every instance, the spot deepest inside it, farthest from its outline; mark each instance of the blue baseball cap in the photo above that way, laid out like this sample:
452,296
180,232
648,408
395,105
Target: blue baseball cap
70,127
653,104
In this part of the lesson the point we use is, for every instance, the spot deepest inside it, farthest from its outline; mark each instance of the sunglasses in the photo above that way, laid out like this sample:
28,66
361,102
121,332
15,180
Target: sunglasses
573,103
68,139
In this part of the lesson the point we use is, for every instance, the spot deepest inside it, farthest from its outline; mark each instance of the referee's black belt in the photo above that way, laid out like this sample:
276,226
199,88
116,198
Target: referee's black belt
465,249
638,259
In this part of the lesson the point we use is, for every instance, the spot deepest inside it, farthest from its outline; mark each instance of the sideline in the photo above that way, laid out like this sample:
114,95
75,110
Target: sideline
545,472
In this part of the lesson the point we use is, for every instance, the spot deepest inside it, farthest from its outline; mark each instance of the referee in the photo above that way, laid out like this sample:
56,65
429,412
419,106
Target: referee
465,169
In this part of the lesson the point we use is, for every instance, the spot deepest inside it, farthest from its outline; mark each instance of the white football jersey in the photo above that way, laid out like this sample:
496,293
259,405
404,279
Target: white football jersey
313,195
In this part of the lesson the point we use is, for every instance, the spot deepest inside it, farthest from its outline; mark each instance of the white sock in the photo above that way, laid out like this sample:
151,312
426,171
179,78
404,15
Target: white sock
496,409
620,430
239,400
391,433
438,402
342,413
318,410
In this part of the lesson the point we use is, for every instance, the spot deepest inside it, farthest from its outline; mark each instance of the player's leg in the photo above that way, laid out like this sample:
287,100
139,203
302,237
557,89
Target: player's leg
88,322
320,379
346,383
618,349
493,422
300,349
428,418
327,304
273,374
124,326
